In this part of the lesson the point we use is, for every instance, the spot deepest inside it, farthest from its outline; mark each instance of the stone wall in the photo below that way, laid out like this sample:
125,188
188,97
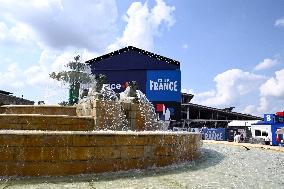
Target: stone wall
65,153
39,109
46,122
106,114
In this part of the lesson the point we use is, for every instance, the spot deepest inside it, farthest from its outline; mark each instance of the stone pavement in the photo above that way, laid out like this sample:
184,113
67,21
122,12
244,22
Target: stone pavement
248,145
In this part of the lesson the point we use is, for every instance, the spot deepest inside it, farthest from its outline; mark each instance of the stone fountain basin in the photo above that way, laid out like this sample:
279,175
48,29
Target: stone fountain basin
39,109
46,122
61,153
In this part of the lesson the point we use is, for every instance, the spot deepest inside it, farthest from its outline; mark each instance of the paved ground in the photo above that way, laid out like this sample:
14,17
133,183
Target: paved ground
268,147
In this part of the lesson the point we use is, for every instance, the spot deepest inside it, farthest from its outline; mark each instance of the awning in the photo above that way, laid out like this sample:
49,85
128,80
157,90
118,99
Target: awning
281,131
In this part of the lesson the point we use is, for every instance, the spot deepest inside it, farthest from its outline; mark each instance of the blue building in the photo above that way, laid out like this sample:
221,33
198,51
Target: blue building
158,77
268,127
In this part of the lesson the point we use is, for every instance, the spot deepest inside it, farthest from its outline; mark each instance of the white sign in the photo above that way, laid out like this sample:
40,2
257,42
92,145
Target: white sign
163,85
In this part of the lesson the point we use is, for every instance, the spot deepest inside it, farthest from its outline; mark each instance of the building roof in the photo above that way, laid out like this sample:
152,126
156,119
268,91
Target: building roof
134,52
223,111
5,92
6,98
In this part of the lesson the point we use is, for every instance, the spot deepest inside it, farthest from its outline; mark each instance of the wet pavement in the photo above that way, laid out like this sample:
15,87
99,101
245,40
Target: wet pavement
220,166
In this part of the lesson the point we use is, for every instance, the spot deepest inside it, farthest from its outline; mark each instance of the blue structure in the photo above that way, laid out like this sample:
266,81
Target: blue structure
276,123
158,77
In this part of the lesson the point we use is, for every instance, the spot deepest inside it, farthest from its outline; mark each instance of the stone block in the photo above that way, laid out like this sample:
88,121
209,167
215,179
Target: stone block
164,150
82,153
12,140
64,153
127,164
24,154
104,140
48,140
84,140
50,154
107,152
109,165
130,152
11,168
6,153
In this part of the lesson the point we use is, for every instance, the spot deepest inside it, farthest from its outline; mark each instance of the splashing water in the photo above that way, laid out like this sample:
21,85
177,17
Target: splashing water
114,110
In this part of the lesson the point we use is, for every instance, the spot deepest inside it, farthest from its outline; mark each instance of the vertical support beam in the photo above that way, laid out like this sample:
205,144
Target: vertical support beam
187,112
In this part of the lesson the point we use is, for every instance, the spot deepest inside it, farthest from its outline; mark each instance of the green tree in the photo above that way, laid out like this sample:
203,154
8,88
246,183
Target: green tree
77,75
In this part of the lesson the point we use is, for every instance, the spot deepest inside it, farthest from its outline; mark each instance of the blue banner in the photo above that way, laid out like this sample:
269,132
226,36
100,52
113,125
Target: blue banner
214,134
163,85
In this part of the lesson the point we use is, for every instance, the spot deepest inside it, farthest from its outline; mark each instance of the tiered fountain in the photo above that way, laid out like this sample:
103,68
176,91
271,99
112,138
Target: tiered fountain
102,133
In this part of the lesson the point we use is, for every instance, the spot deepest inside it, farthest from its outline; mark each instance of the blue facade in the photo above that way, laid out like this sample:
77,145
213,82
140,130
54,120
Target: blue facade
158,77
117,79
276,123
163,85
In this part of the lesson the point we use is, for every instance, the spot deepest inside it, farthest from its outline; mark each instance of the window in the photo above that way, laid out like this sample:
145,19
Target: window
257,133
264,133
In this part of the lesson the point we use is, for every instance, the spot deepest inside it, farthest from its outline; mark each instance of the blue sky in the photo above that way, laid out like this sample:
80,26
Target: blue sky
231,52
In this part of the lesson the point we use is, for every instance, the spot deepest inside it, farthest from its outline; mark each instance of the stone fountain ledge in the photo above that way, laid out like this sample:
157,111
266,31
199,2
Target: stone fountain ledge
41,115
248,145
39,109
36,106
62,153
101,132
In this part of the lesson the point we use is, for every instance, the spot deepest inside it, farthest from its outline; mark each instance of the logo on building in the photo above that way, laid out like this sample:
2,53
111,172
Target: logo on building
117,86
163,85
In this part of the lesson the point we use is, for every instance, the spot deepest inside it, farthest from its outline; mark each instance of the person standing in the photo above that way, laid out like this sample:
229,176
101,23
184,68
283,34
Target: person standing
237,138
267,140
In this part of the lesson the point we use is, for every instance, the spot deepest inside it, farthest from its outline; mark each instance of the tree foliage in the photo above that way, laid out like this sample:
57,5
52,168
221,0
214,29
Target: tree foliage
75,76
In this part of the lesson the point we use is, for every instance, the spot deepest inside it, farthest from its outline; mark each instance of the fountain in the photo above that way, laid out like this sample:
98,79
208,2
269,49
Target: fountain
102,133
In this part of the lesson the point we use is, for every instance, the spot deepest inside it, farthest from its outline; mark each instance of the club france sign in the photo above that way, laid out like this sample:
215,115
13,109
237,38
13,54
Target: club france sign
163,85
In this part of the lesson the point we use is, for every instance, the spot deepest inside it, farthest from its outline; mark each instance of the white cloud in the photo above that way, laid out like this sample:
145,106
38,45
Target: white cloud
65,23
143,24
266,63
19,35
231,85
279,22
249,109
57,30
35,80
274,86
